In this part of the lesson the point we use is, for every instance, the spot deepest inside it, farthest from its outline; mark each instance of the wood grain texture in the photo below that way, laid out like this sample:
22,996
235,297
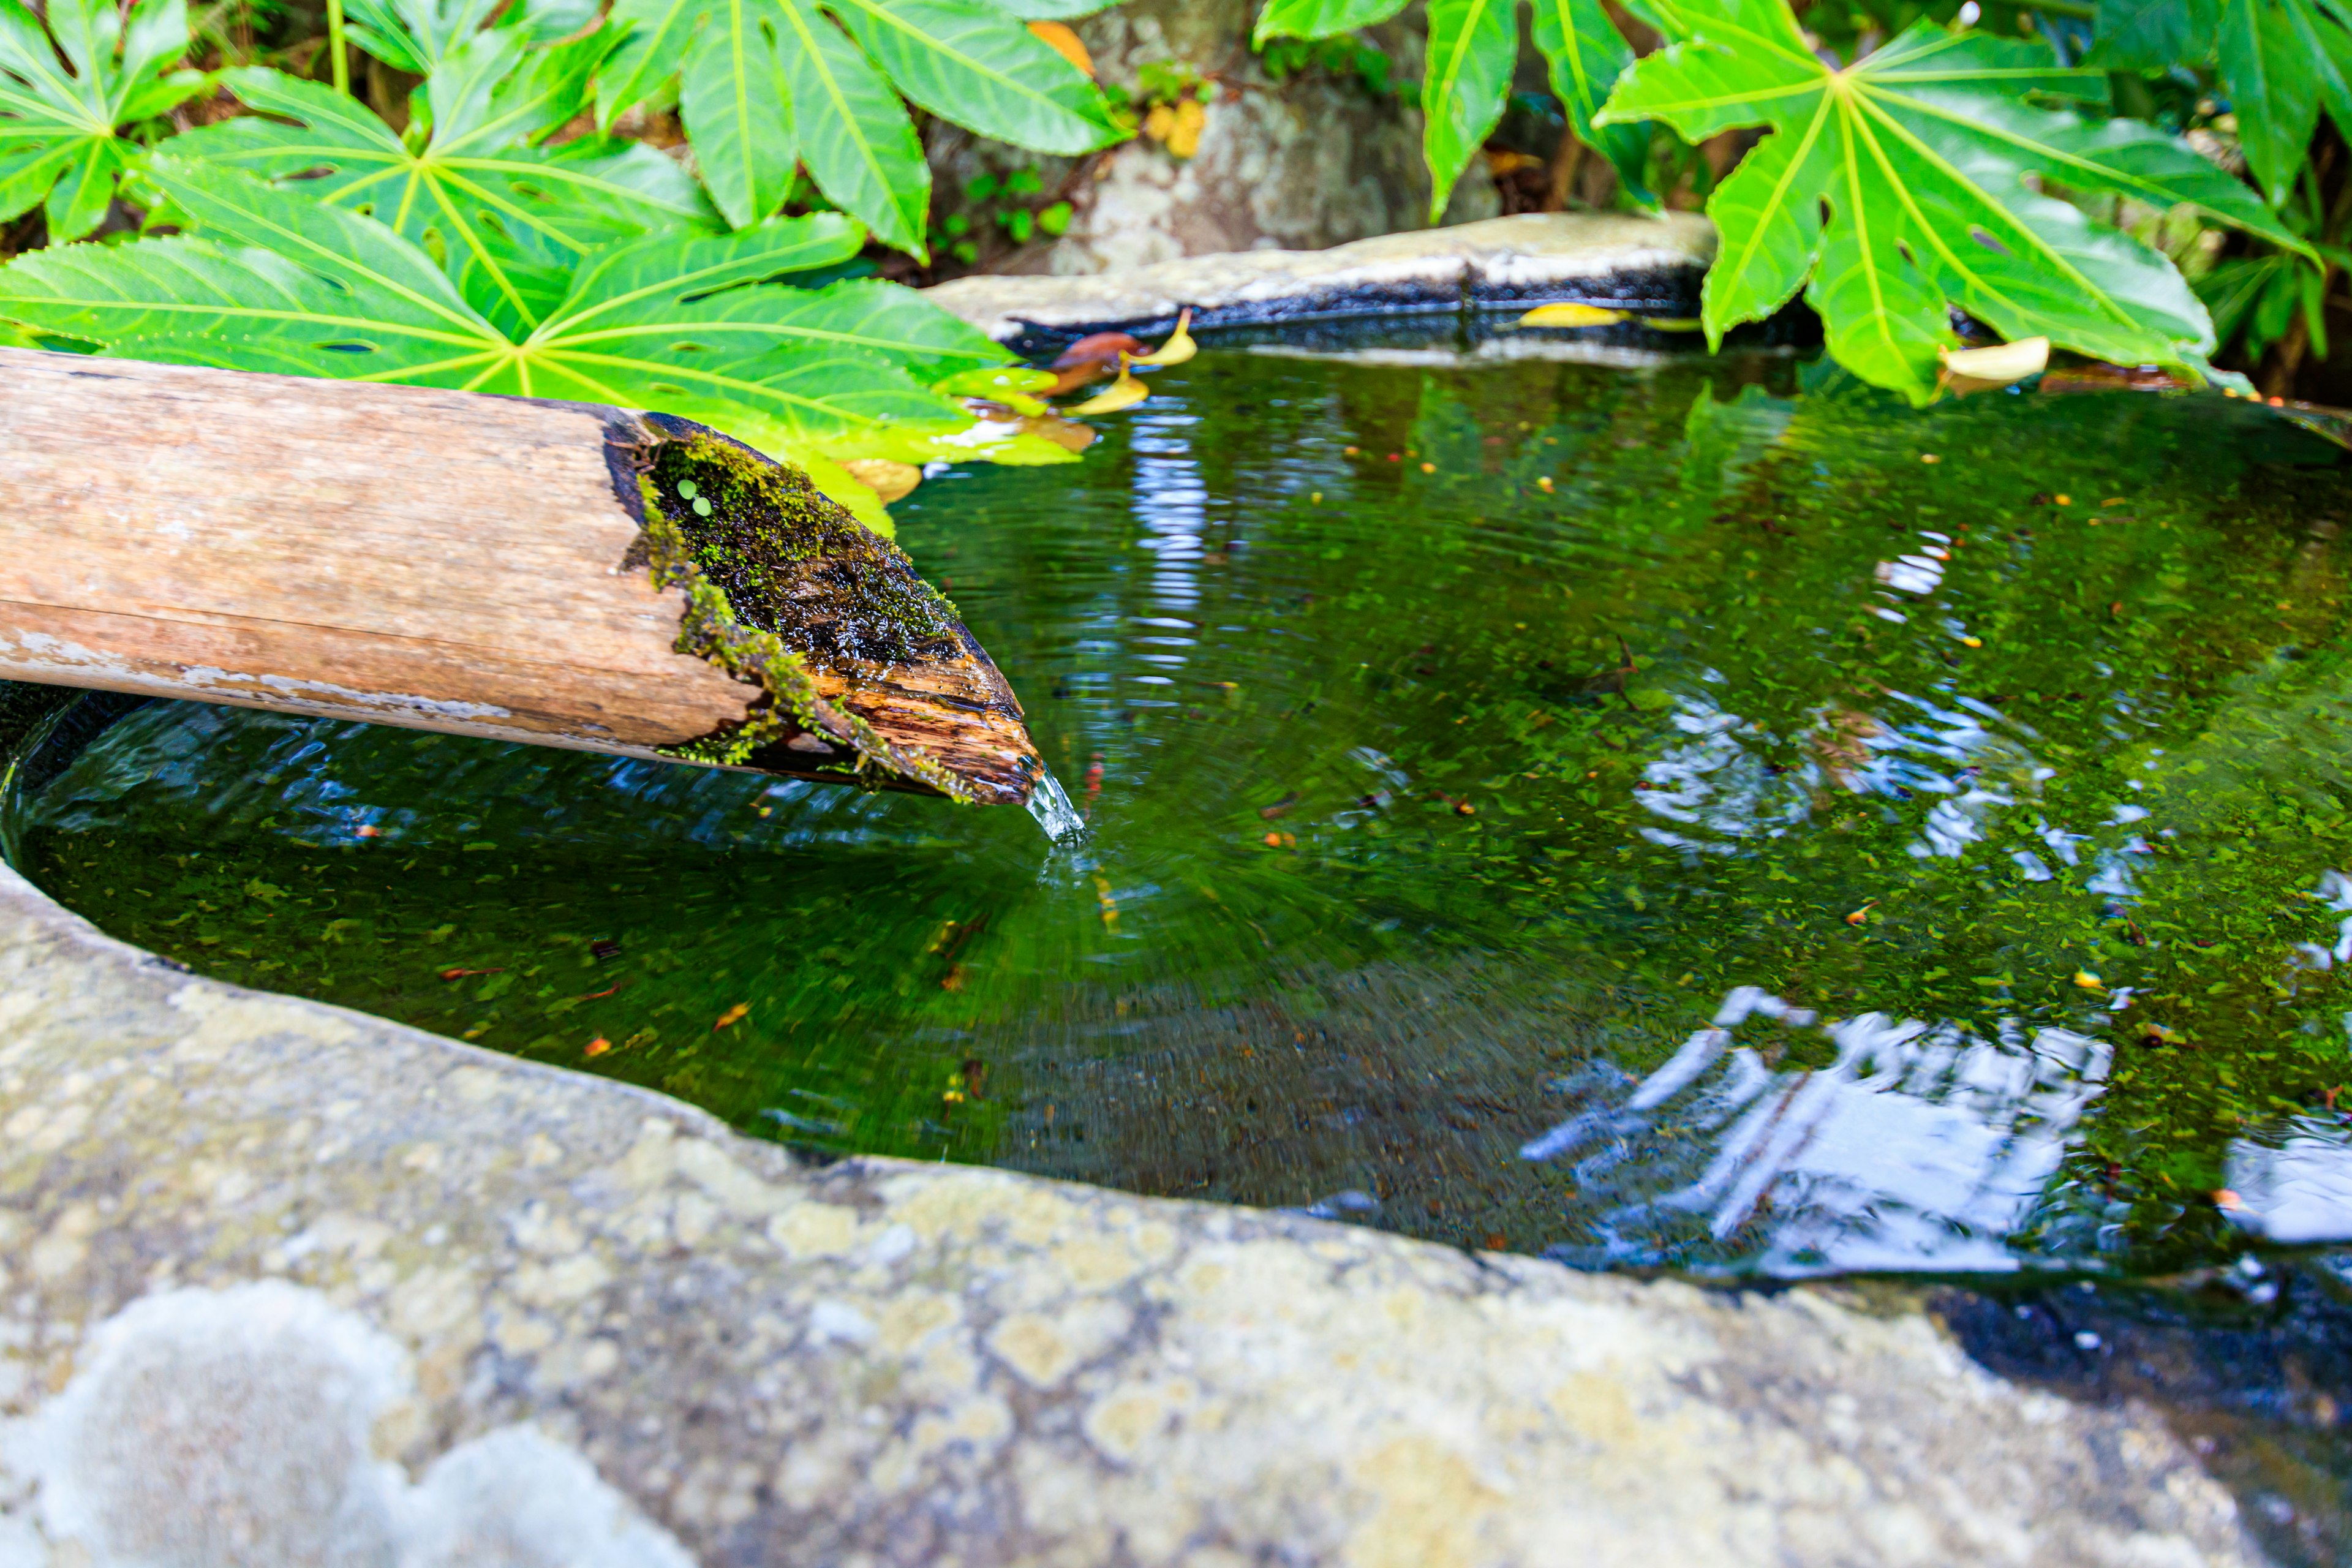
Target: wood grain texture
439,560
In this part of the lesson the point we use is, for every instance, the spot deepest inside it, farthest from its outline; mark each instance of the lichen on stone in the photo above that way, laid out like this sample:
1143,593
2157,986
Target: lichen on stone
775,574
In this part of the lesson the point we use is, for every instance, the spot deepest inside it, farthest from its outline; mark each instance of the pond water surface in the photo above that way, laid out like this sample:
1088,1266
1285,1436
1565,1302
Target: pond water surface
1654,816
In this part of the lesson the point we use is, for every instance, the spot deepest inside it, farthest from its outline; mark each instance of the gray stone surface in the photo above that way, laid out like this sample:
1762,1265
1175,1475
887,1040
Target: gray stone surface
1653,263
281,1284
1306,161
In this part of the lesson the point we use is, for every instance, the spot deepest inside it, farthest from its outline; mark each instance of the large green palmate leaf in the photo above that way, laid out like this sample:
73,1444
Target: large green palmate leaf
764,82
2279,62
511,221
1474,45
1895,189
694,324
65,93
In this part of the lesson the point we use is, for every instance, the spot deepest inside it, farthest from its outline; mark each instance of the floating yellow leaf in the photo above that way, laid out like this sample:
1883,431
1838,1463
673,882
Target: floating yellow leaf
1179,347
1124,392
2088,981
733,1015
1065,43
1571,316
1967,368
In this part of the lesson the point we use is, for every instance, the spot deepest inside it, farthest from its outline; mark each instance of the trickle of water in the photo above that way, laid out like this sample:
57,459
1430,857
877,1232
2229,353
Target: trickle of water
1053,810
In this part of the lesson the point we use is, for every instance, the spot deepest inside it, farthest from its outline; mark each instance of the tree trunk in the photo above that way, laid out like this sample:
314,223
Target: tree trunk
555,573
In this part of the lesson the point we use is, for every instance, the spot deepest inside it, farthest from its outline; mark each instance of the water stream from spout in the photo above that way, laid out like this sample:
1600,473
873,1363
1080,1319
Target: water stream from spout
1052,808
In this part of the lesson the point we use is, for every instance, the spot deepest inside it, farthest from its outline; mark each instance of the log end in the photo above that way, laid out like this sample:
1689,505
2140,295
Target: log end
867,672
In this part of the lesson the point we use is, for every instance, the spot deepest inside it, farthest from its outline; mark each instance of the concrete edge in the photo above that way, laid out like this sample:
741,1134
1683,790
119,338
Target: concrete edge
1648,264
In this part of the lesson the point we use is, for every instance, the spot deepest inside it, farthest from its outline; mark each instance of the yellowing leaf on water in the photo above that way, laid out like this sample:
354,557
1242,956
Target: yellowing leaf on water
891,481
2000,366
2088,981
732,1016
1124,392
1058,37
1571,316
1179,347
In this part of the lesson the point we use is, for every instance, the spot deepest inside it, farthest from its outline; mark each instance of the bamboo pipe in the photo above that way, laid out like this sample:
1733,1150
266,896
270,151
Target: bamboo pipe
554,572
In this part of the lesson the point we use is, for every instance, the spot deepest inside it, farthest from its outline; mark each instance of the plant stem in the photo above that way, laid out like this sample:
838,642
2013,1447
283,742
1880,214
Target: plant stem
339,62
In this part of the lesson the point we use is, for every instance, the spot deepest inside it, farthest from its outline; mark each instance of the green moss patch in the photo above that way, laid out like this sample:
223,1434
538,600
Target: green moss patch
775,573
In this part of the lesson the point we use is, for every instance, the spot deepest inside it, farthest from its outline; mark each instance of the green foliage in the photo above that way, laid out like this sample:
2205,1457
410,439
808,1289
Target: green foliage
490,246
763,84
2279,61
691,323
1897,187
1474,45
1341,56
68,92
511,221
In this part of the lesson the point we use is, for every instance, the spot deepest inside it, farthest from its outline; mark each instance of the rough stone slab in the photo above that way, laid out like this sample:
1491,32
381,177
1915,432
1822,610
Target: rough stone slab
1650,263
283,1284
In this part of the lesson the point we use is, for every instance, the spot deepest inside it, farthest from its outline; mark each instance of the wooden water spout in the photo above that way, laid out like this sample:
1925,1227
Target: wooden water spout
556,573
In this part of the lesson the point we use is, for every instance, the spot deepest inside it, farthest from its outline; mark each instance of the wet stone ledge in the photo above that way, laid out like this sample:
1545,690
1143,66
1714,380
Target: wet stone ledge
281,1284
1654,264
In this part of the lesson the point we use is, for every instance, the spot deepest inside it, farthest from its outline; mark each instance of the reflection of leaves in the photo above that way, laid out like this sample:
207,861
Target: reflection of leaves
1895,189
1722,440
64,92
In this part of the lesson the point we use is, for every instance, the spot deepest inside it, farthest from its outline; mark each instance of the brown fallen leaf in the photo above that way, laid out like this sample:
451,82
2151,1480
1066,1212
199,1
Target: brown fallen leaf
732,1016
1100,349
1279,807
463,973
891,481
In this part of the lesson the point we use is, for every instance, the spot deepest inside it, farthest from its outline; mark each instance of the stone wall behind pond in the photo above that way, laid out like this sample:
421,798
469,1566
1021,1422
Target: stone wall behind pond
1313,159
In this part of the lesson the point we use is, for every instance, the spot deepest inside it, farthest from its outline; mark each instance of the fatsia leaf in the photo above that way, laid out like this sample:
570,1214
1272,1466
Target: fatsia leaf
1319,18
511,221
737,106
1897,188
834,81
690,324
2269,70
867,158
1472,46
972,63
66,93
1587,55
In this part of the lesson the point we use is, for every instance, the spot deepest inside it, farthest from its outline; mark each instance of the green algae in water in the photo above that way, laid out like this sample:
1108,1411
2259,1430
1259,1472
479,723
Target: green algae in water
1679,826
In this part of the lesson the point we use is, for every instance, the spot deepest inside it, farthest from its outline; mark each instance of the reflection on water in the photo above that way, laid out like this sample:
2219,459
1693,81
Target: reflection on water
1641,814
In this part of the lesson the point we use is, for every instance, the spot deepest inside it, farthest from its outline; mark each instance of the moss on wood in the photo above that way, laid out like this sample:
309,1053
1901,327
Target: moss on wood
774,571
